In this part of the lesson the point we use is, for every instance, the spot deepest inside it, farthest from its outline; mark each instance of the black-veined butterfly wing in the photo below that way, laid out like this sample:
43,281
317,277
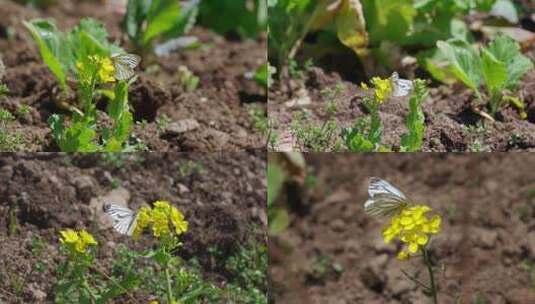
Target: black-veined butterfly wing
124,65
401,87
385,199
124,219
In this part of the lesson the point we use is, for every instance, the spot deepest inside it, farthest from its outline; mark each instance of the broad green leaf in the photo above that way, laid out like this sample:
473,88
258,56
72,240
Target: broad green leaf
245,17
161,18
506,50
49,40
436,64
351,26
465,64
275,178
278,220
494,71
135,15
186,21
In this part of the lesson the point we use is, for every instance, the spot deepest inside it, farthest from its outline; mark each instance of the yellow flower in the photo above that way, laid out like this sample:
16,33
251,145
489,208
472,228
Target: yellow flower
383,89
160,223
159,217
177,218
79,240
364,86
403,255
144,218
68,236
106,72
412,227
102,66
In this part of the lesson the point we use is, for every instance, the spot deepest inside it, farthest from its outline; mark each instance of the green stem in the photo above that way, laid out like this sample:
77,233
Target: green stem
432,288
170,298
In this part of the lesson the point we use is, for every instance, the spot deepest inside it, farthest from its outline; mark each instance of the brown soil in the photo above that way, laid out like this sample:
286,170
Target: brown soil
485,252
223,201
220,105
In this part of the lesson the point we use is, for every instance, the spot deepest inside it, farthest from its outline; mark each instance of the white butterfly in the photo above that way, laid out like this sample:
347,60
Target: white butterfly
385,199
124,65
124,219
401,87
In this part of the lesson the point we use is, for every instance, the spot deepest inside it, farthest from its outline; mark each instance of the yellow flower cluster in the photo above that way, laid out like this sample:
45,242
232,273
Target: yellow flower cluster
79,240
163,218
413,228
104,66
383,89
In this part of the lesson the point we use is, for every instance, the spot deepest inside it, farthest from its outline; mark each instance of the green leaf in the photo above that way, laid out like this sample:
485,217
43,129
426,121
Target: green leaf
119,111
50,41
464,62
186,21
161,18
494,71
275,178
366,133
278,220
262,75
506,50
351,26
246,17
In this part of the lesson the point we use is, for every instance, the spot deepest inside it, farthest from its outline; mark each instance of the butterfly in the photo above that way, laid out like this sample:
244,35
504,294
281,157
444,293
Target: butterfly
401,87
124,65
124,219
385,199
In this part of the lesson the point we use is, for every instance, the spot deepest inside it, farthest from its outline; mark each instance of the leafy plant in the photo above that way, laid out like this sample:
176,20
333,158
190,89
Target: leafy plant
147,20
365,135
249,268
84,56
291,20
413,140
9,141
246,17
499,66
187,80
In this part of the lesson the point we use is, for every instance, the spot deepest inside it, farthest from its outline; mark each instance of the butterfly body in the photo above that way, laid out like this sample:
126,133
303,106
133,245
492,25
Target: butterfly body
400,87
124,65
123,218
384,199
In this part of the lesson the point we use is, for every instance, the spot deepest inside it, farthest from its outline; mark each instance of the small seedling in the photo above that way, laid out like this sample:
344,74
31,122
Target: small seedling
186,79
9,141
190,168
162,122
259,119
